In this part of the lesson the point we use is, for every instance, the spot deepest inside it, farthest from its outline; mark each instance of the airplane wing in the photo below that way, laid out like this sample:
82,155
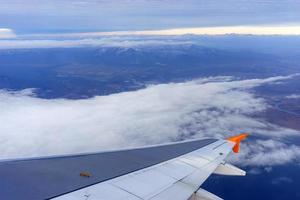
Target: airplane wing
172,171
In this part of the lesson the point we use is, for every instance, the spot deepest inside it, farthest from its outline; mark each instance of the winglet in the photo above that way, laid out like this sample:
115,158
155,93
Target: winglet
237,139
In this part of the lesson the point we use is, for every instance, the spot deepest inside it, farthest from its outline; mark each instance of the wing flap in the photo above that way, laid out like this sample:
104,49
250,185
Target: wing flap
229,170
202,194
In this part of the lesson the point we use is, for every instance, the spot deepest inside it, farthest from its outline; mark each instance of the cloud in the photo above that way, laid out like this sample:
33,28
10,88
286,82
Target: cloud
222,30
293,96
210,107
217,30
6,33
268,169
282,180
256,170
267,153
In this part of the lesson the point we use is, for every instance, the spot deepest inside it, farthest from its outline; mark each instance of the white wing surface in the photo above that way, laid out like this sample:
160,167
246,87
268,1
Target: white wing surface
172,171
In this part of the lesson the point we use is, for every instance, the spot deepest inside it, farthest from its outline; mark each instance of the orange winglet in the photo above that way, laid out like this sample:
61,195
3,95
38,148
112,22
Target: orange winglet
237,139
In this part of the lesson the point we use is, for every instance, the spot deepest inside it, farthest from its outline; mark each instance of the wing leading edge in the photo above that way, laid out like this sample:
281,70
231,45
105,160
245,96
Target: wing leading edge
172,171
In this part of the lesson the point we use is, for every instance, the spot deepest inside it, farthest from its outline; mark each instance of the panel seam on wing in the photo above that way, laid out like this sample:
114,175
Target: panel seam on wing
120,188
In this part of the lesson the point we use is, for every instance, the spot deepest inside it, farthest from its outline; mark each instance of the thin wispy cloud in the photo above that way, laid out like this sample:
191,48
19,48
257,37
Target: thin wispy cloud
218,30
212,107
282,180
6,33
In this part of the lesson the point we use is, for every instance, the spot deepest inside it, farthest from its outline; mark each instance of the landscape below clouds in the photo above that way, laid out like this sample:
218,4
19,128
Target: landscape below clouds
80,76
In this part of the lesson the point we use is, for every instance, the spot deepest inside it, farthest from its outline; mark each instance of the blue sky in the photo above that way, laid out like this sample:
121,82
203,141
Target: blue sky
36,16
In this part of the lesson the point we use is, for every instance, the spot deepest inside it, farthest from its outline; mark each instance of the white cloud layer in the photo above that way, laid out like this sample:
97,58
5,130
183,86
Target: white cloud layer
212,107
6,33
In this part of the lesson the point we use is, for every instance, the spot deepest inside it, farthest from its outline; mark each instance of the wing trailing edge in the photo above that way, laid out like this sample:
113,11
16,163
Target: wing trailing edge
202,194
